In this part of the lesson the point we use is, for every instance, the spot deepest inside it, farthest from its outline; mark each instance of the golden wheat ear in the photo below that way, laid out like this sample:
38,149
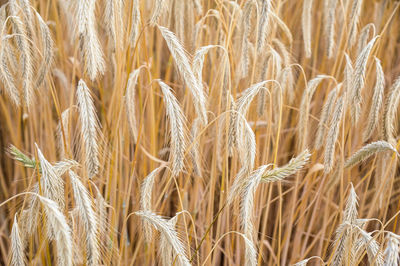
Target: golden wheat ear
89,128
17,245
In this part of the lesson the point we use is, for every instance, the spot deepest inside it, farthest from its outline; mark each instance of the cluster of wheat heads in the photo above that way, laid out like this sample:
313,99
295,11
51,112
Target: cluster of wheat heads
199,132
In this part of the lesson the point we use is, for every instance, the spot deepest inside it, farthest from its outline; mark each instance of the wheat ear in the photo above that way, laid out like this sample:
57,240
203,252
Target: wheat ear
7,78
51,183
329,25
88,39
392,250
392,102
194,152
134,34
325,115
245,24
17,246
160,7
376,100
264,24
342,242
185,70
177,128
48,51
333,134
247,195
130,102
168,231
57,223
354,18
357,83
305,104
145,200
89,128
364,34
166,250
88,216
369,150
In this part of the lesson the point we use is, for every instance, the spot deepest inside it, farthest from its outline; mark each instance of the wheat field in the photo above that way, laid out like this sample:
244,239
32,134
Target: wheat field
199,132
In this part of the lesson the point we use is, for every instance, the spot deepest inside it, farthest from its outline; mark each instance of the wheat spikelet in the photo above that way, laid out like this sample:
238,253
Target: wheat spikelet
325,115
287,82
392,250
48,51
17,246
391,104
130,103
247,146
52,185
329,25
145,200
177,124
84,206
134,34
167,230
354,18
89,128
88,40
158,9
62,233
305,104
369,150
357,83
376,100
62,167
185,70
306,26
333,134
263,24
